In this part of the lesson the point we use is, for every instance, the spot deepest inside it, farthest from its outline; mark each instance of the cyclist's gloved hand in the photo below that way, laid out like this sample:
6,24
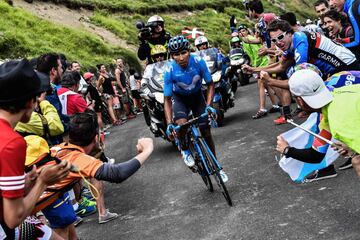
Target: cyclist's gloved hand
170,129
210,110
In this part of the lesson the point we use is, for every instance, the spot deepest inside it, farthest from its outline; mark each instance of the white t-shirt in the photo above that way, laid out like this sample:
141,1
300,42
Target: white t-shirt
133,85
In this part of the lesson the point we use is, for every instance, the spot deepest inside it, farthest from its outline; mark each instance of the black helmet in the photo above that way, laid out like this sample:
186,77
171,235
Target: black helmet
178,43
242,26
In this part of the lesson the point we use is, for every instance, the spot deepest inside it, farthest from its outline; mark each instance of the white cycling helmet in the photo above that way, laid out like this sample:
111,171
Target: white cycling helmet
155,18
201,40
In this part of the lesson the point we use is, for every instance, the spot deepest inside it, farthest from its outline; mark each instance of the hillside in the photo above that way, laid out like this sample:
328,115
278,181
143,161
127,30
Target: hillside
95,31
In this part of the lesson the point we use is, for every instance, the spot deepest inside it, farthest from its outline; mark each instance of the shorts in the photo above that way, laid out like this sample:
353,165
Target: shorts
60,214
135,94
182,105
124,97
107,96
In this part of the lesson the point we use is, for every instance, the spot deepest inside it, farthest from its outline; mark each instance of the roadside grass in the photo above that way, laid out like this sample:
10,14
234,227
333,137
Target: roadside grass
214,23
24,35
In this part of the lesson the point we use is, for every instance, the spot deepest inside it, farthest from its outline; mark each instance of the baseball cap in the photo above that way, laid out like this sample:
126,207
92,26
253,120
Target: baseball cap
37,148
18,81
88,75
308,85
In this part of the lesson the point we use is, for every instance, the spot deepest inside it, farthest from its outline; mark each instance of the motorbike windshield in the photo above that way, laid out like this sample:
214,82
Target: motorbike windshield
154,75
210,56
236,53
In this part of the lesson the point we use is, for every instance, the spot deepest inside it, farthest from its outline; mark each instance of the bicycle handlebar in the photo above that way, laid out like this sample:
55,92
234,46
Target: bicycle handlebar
193,120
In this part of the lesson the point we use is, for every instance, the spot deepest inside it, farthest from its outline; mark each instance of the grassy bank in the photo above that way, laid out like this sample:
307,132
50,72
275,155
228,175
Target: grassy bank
24,35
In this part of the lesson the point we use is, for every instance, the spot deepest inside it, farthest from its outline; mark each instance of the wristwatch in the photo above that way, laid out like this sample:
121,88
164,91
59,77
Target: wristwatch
286,150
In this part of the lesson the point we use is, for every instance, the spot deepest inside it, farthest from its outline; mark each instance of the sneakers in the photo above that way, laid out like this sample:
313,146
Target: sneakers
188,159
280,120
223,176
107,217
328,172
346,165
260,114
78,221
118,122
86,208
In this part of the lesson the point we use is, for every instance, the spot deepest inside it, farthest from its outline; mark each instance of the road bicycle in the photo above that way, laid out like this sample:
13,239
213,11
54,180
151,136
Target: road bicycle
206,164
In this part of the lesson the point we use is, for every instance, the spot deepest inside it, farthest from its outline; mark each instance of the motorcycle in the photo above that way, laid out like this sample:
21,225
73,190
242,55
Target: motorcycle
152,93
223,96
237,58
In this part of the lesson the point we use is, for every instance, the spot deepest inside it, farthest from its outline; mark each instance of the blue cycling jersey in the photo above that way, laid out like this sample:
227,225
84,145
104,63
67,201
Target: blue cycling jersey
319,50
186,81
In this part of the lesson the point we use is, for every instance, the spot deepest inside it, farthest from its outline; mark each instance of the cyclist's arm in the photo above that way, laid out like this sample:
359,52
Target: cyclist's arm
210,93
167,97
168,109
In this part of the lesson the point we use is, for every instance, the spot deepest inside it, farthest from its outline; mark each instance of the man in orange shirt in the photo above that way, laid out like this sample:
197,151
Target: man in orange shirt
82,139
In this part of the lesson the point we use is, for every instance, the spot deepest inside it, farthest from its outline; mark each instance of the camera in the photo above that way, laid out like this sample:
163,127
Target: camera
145,30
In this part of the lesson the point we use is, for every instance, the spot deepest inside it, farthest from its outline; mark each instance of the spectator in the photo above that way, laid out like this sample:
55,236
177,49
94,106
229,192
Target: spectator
19,86
290,17
104,82
352,9
338,27
50,65
321,7
135,87
83,136
312,95
122,83
71,101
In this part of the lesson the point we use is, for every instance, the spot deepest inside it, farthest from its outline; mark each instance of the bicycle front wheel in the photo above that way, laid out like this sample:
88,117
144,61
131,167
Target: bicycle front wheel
201,169
205,149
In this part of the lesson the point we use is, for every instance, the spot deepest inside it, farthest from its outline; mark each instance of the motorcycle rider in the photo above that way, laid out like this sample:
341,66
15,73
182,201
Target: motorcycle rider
151,35
182,93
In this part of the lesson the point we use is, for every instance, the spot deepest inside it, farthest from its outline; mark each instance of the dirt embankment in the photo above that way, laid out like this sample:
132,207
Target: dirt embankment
78,19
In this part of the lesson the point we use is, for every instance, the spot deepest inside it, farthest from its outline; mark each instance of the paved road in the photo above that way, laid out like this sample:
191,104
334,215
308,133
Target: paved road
164,200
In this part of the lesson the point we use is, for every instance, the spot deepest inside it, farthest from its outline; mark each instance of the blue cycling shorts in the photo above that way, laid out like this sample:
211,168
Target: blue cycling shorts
60,213
182,105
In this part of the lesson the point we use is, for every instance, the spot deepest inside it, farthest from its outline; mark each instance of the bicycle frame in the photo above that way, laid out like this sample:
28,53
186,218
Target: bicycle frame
194,136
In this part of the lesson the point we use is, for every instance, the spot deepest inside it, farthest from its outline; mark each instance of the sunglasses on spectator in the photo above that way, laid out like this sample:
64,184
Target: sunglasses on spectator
279,38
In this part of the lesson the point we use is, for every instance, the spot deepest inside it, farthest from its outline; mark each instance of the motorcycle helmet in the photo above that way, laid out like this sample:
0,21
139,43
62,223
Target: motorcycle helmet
178,44
158,50
200,41
155,21
235,39
241,27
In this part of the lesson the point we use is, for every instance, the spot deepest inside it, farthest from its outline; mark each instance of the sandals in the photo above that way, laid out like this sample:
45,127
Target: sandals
260,114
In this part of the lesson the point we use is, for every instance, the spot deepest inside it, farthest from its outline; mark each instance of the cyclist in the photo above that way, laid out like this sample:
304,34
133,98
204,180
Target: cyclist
182,93
156,35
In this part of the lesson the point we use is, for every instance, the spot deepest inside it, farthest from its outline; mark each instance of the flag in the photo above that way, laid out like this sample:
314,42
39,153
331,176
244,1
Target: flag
300,139
192,33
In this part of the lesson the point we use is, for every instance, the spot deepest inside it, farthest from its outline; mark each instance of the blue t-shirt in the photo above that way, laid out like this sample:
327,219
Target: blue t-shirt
186,81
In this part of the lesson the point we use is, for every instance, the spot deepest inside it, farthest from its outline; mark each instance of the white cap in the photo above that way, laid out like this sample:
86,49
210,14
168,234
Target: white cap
308,21
308,85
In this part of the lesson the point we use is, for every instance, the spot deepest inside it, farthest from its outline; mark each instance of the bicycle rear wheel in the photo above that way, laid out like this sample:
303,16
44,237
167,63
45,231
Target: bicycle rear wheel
216,170
201,169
